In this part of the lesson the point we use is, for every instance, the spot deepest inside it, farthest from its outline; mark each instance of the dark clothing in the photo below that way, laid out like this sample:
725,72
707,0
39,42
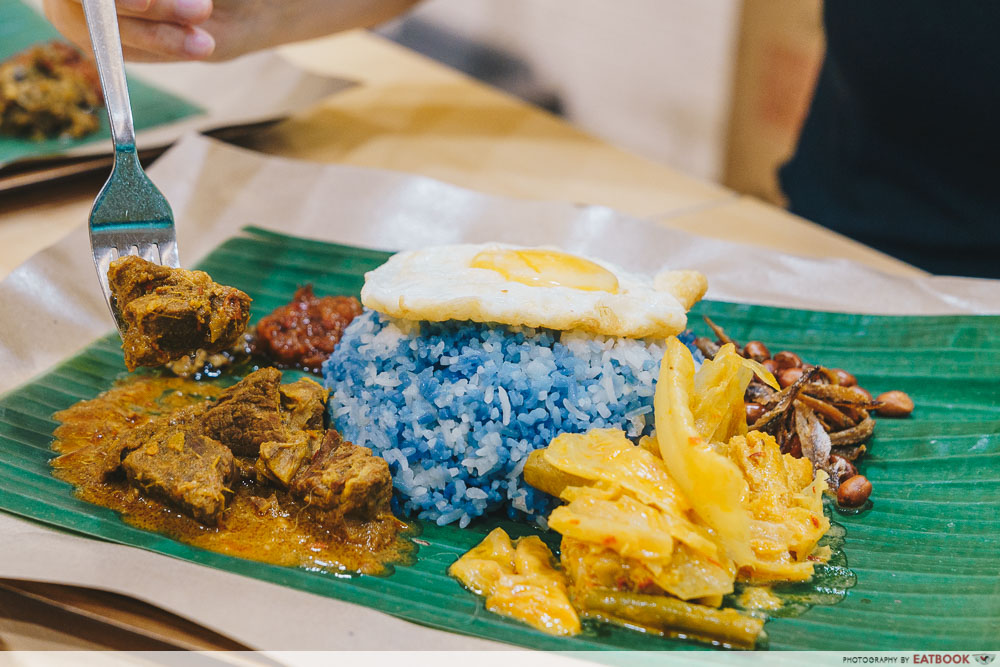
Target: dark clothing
901,148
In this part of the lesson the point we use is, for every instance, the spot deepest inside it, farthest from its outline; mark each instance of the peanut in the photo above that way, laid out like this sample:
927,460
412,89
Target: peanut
854,491
756,350
788,359
754,412
895,404
843,378
849,469
788,376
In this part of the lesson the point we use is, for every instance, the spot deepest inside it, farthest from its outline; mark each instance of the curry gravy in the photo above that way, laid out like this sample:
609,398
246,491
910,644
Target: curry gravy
261,523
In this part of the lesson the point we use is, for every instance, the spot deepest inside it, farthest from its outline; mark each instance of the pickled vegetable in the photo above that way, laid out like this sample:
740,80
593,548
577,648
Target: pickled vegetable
671,616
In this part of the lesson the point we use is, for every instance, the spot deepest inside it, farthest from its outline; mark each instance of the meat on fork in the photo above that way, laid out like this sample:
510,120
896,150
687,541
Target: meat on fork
169,313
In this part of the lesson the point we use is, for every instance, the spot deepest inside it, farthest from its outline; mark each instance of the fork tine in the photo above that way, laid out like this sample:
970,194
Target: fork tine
149,252
168,253
103,258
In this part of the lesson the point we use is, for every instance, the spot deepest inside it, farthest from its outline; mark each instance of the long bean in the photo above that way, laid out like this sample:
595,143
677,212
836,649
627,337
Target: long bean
667,614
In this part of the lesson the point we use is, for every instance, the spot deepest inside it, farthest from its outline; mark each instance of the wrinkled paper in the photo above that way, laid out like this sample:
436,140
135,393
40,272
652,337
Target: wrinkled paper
53,307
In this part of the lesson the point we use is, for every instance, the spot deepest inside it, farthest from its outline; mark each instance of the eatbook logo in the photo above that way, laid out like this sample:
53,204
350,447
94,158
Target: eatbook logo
983,658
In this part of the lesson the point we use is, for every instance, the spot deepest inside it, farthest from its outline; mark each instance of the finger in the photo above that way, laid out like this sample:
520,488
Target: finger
183,12
166,39
142,41
67,17
134,55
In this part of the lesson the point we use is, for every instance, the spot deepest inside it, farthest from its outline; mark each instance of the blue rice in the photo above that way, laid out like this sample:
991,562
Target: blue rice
456,407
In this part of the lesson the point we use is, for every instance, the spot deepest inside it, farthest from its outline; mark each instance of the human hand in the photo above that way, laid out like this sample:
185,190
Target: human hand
171,30
151,30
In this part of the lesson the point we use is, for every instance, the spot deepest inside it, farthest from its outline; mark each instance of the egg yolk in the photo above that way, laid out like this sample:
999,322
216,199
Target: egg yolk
547,268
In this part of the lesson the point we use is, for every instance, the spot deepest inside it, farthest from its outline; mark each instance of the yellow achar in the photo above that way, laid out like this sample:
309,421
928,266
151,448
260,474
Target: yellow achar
655,534
518,580
765,507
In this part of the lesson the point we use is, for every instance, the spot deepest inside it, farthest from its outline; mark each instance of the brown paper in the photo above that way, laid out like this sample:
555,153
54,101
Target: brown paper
52,306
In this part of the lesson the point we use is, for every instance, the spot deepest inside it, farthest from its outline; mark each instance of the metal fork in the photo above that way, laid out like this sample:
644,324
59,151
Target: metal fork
130,216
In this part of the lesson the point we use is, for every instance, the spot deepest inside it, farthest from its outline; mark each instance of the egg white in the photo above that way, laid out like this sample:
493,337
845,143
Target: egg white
437,284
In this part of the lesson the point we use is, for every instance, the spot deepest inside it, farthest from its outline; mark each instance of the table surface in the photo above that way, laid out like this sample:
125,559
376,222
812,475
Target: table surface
407,113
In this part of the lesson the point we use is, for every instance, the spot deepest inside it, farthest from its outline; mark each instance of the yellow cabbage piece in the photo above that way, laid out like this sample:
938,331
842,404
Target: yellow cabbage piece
625,525
693,509
786,504
717,399
519,581
609,459
764,506
482,566
689,575
693,575
712,483
608,455
635,517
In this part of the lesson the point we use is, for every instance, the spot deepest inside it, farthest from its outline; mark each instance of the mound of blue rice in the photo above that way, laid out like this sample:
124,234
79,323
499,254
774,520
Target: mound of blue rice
456,407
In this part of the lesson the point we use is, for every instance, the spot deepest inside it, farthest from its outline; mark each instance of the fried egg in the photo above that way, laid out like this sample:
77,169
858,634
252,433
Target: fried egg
534,287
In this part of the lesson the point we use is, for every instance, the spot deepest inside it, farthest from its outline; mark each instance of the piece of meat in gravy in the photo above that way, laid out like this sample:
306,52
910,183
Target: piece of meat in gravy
185,469
169,313
344,480
248,413
109,458
303,404
280,461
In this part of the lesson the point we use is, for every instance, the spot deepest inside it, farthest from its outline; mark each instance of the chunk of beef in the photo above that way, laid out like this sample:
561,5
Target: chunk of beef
344,479
189,471
111,455
169,313
280,461
303,404
248,413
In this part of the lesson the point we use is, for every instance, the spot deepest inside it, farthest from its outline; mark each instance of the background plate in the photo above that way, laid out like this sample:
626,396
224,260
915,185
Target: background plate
925,555
21,27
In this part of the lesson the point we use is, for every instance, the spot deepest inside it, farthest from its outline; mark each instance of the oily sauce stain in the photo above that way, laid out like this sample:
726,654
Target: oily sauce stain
261,523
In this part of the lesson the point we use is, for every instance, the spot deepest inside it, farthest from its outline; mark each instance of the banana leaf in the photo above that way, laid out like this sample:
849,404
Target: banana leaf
925,555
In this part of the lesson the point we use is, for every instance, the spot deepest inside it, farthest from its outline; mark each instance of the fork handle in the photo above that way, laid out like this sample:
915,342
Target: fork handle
102,23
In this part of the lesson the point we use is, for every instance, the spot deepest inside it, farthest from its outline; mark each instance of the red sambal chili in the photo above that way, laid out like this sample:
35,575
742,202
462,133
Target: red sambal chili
304,332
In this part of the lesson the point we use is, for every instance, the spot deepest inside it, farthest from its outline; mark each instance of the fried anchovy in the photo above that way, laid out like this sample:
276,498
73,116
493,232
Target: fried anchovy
783,399
838,395
838,418
849,452
838,470
855,434
813,437
707,346
719,332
